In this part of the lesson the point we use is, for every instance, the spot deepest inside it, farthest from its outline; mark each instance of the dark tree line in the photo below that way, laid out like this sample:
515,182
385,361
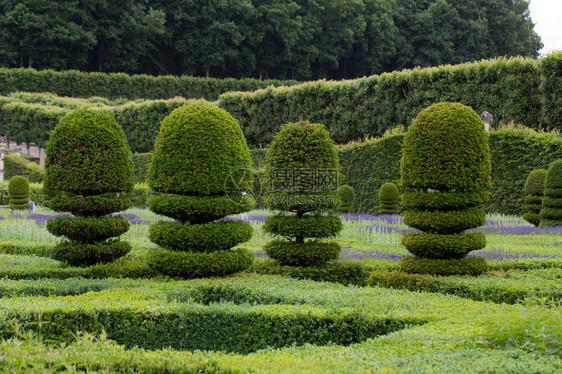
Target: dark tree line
295,39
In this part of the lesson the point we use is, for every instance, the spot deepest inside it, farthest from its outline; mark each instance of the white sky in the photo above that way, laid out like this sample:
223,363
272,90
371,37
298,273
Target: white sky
547,16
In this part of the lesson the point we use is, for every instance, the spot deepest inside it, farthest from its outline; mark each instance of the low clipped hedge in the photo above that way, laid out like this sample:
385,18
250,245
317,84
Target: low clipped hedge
462,266
201,238
32,267
508,289
345,273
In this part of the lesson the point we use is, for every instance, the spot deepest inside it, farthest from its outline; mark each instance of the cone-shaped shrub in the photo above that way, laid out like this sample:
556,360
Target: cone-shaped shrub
534,187
18,193
200,171
444,170
302,173
346,195
89,162
389,199
551,212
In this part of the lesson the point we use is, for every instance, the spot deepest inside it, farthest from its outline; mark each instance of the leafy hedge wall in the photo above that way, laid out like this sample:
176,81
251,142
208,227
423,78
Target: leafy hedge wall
25,121
14,165
119,85
510,89
515,153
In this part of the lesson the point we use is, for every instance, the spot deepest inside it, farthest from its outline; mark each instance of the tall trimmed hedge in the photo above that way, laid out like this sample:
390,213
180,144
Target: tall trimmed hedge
369,106
119,85
551,89
14,165
515,152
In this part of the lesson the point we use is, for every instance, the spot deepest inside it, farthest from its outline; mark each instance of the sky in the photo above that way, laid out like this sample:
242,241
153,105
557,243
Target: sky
547,16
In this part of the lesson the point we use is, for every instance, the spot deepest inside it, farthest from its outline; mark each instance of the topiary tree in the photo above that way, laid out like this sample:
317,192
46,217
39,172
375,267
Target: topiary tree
18,193
445,168
302,166
345,196
389,199
551,212
200,171
534,187
89,162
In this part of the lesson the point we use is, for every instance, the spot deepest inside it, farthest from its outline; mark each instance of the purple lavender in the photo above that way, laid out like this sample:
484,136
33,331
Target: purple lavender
501,254
15,215
139,222
249,219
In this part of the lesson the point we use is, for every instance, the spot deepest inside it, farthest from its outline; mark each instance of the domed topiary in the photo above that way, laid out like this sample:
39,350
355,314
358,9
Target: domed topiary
551,212
389,199
200,171
89,162
302,173
18,193
444,170
534,187
346,195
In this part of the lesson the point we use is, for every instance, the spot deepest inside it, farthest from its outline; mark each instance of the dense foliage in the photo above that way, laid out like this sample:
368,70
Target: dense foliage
18,192
197,170
371,106
389,199
261,38
89,161
515,153
445,152
534,187
346,195
302,176
551,212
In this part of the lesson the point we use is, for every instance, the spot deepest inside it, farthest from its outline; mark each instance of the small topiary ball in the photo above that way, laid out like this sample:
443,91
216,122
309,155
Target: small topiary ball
534,185
346,195
198,151
88,154
446,148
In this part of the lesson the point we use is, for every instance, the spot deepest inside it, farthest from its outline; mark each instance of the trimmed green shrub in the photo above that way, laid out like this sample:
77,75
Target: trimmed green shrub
87,154
551,89
14,165
94,205
551,212
389,199
302,175
203,238
179,167
446,150
88,229
345,273
89,161
82,253
345,195
18,193
201,171
534,187
465,266
199,209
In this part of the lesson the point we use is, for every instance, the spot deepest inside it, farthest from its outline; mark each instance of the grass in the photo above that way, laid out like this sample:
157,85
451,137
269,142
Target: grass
451,335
